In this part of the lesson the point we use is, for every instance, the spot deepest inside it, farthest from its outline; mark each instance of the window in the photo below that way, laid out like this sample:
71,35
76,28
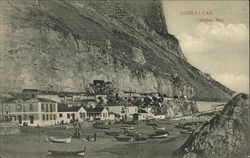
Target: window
51,109
60,115
50,117
54,117
24,117
19,108
43,117
42,107
13,118
47,117
82,115
54,107
68,116
31,119
47,108
6,109
31,107
105,115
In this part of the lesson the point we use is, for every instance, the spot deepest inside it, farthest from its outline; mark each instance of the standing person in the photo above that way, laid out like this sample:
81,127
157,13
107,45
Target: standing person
79,133
94,136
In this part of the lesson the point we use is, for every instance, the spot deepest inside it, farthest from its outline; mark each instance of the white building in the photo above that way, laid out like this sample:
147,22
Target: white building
30,111
159,116
71,114
98,113
118,110
130,111
143,115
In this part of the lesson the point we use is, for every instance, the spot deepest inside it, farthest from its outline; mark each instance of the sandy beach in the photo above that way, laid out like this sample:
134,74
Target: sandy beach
31,144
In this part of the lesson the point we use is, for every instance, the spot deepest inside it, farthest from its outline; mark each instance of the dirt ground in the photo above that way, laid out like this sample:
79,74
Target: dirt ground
31,143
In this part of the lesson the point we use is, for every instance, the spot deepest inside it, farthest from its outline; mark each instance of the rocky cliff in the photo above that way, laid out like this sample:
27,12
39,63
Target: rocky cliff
64,45
178,108
226,135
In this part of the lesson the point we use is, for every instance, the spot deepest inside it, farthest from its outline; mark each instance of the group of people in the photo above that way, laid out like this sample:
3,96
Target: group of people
77,130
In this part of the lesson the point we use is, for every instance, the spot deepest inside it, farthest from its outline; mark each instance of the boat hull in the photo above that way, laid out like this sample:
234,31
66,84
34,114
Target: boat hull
124,139
61,153
58,140
67,153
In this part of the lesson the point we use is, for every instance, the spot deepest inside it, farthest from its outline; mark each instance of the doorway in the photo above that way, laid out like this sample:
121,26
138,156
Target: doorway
20,119
31,119
73,117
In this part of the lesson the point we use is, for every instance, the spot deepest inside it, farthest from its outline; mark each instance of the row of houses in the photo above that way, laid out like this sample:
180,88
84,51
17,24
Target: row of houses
37,111
77,96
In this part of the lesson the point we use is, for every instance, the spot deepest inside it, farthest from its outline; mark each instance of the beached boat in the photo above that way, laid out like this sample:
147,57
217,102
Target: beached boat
152,124
140,138
58,140
162,132
129,133
128,127
124,138
67,153
159,128
158,136
112,133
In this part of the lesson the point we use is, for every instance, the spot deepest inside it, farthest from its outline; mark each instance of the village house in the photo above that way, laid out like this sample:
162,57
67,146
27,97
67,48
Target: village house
31,112
159,116
84,96
98,113
117,109
85,103
65,97
143,115
71,114
130,110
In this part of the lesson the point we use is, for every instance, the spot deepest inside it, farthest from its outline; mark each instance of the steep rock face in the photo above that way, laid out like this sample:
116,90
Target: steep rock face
179,107
226,135
64,45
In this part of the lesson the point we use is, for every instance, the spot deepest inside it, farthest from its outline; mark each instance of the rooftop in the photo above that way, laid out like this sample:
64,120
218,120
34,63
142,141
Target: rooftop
94,110
69,109
23,100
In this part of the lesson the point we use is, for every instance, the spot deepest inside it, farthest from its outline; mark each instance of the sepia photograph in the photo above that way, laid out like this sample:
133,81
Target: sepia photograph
124,79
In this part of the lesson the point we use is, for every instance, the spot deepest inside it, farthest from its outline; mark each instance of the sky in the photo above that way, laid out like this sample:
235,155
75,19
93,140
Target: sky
217,47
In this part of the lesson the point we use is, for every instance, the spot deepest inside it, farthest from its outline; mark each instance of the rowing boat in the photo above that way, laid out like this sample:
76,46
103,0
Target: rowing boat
128,127
158,136
124,138
140,138
152,124
129,133
112,133
159,128
67,153
162,132
58,140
